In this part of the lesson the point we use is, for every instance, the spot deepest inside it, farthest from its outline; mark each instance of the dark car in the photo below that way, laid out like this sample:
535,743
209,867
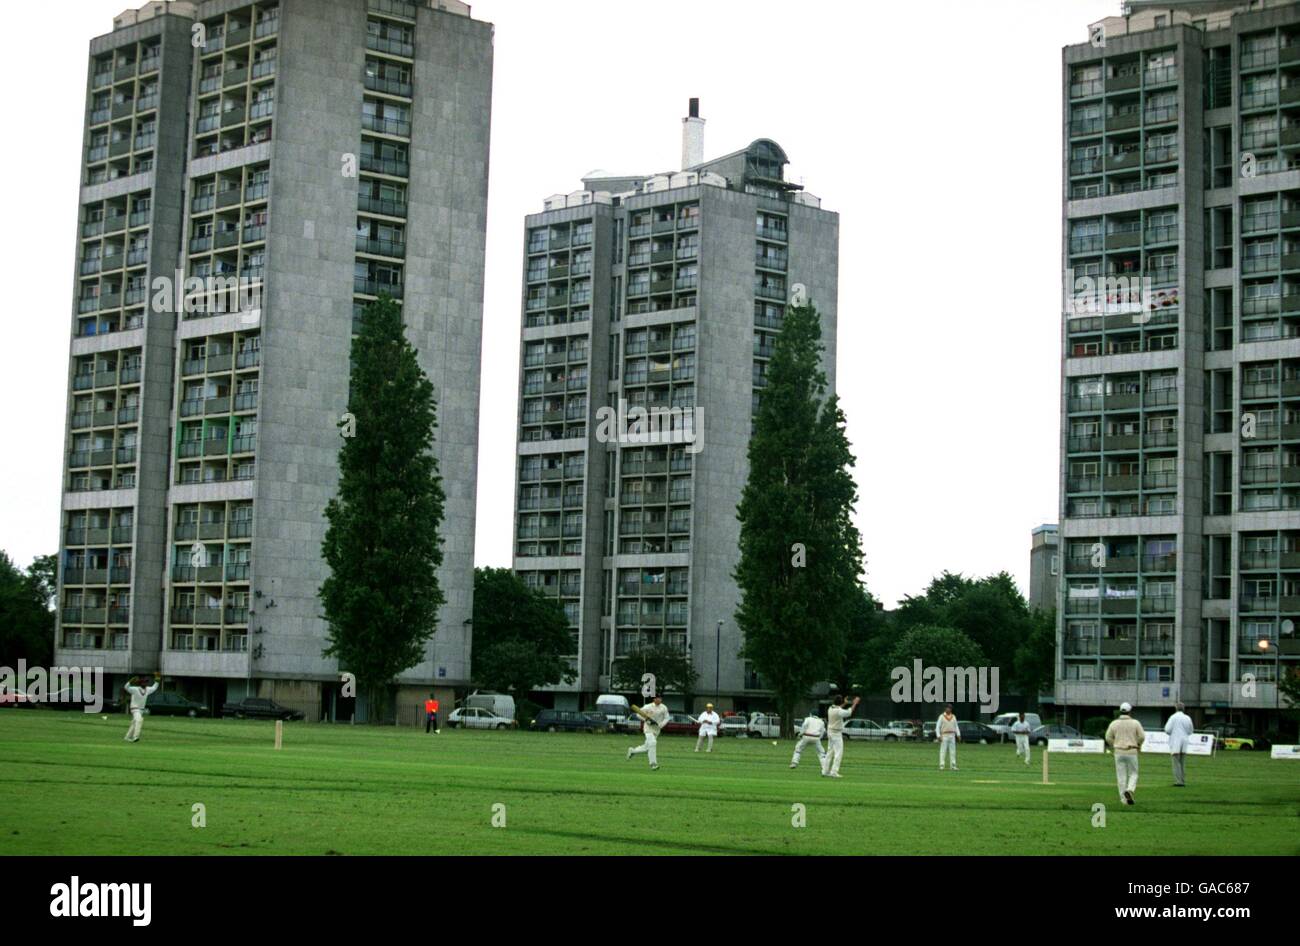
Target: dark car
173,704
1237,737
1040,735
552,720
680,724
257,708
977,732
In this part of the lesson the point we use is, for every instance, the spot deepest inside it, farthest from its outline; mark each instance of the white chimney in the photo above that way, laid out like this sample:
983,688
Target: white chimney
693,137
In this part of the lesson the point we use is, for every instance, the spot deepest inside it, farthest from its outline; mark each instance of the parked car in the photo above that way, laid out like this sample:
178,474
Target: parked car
1236,737
977,732
910,726
870,729
927,732
496,704
1040,735
616,710
257,708
474,717
630,723
733,726
1003,722
763,726
173,704
552,720
681,724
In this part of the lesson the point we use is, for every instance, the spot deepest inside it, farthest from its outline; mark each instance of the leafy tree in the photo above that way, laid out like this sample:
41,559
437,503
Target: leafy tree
1289,685
520,635
800,554
673,670
871,636
383,544
990,611
936,647
26,620
1035,662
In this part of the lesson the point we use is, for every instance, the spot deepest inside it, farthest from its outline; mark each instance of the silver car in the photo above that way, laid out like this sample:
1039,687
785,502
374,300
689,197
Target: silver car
870,729
474,717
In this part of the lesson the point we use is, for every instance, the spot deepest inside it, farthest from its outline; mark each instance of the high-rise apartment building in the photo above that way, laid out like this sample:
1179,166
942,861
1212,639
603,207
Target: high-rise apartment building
1180,454
254,173
650,309
1044,567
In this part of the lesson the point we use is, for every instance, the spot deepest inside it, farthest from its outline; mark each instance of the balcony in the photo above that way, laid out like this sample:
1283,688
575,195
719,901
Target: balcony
386,126
395,47
1118,647
394,167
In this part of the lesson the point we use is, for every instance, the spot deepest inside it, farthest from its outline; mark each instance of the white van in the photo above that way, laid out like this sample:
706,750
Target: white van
614,708
1003,722
498,704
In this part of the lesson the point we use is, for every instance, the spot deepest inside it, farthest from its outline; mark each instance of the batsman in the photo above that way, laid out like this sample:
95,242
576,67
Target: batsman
654,717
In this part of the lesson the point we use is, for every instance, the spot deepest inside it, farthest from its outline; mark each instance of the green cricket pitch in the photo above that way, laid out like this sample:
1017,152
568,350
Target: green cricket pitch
72,786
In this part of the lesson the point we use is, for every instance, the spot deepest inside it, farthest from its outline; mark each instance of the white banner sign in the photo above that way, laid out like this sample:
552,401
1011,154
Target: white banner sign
1076,745
1198,743
1286,752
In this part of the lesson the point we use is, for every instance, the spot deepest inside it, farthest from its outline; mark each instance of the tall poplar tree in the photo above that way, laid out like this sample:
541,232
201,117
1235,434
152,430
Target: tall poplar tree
800,554
383,544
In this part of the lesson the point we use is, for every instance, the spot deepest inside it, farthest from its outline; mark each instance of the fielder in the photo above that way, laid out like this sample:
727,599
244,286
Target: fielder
948,734
810,734
836,716
708,726
654,718
139,699
1179,729
1125,736
1021,730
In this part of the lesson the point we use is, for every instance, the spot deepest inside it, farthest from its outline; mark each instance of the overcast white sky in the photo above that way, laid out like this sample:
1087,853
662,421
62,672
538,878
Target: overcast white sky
932,128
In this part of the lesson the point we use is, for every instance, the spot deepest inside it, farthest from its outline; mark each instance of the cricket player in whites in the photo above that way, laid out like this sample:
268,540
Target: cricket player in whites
836,716
948,734
1179,729
708,726
810,734
1021,729
654,717
139,698
1125,736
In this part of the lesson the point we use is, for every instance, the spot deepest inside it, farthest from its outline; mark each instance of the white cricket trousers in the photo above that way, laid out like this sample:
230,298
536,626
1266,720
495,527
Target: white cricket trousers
948,746
648,747
1126,772
702,737
137,721
803,743
1022,747
834,754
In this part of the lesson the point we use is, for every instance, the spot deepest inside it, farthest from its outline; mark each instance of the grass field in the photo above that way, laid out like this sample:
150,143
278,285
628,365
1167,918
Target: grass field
72,786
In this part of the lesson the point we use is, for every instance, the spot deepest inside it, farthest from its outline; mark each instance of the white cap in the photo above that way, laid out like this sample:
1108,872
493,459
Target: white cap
1125,708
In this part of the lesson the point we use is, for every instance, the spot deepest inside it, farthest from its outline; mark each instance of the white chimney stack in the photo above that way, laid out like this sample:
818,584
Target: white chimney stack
692,137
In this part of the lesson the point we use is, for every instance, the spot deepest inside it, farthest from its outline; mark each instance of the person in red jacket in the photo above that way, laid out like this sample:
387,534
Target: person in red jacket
431,715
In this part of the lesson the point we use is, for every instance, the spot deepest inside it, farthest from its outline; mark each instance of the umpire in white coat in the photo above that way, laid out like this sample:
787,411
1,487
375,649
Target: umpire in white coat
1179,729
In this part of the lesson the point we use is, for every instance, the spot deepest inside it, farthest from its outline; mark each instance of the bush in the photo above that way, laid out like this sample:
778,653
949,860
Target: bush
1096,726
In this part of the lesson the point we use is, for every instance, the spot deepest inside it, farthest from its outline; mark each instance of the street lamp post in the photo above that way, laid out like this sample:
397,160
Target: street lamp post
1265,645
717,668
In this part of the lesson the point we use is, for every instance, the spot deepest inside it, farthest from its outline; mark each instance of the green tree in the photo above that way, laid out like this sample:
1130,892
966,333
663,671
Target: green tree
990,611
383,544
1289,685
800,554
936,647
871,635
1035,663
26,618
672,669
520,635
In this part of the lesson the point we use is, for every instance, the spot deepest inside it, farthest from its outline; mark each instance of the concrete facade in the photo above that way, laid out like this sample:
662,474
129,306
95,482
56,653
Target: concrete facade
1178,524
327,150
680,288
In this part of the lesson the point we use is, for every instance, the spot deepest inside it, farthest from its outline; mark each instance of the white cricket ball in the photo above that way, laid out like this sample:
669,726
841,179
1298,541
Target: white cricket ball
773,742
